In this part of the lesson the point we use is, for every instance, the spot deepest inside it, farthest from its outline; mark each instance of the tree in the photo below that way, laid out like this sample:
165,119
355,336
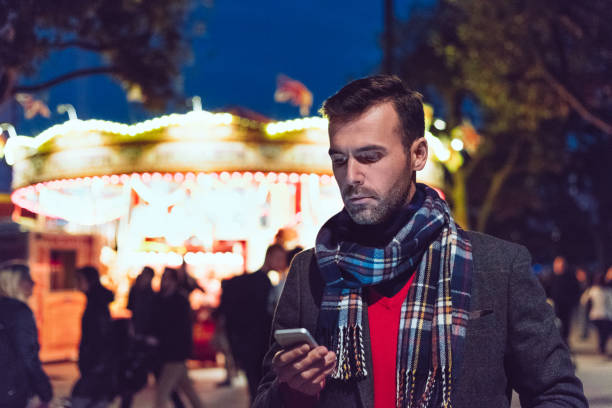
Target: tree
141,43
530,61
430,62
533,76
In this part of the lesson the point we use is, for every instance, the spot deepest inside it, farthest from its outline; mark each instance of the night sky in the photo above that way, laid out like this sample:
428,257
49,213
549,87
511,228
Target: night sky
235,62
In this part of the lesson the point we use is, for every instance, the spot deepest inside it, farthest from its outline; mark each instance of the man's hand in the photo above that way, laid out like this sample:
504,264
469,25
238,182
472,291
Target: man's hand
304,369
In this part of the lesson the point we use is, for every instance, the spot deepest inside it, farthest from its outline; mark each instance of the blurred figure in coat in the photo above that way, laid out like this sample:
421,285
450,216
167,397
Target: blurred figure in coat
245,303
19,337
97,361
565,293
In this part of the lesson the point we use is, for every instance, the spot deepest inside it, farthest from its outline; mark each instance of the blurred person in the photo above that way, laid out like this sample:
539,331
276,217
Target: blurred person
582,277
408,309
141,354
564,291
599,297
98,362
245,304
220,343
608,277
174,332
21,375
187,283
277,289
141,301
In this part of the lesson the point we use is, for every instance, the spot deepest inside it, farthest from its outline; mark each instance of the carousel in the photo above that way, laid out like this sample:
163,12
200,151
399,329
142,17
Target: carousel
206,190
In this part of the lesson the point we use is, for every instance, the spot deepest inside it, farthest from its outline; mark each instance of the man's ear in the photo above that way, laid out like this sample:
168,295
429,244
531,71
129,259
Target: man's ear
418,154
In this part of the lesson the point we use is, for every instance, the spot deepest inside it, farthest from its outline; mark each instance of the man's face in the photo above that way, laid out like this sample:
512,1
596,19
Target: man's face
370,164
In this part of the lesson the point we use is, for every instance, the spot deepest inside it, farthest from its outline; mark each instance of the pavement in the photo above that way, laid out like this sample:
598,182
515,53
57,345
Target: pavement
593,369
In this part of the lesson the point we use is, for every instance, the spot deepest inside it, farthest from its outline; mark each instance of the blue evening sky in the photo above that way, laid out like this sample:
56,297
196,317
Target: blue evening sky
321,43
246,44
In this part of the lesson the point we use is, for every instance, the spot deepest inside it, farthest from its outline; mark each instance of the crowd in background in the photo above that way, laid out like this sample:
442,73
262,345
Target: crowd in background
117,356
582,297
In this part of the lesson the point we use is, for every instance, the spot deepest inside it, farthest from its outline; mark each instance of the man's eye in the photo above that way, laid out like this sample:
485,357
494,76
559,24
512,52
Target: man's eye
338,160
369,158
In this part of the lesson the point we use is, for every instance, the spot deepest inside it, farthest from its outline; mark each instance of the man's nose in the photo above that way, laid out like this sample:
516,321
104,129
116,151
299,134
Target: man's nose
354,172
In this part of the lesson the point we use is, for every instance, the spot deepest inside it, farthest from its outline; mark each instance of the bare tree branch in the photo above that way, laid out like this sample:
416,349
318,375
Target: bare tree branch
574,102
64,78
496,184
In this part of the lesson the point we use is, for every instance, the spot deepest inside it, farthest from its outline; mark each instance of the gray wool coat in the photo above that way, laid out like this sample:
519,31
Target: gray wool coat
511,341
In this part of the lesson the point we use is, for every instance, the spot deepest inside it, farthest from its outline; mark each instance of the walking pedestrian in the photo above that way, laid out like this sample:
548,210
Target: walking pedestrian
565,293
21,373
245,303
174,333
599,297
98,362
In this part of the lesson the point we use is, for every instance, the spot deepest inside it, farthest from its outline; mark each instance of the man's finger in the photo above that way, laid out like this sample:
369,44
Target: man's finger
287,356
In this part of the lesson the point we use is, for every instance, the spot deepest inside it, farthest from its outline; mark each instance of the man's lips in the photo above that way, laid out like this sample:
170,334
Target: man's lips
359,199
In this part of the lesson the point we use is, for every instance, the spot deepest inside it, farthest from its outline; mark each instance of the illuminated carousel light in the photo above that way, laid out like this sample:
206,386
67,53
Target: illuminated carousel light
146,177
106,179
190,176
294,177
179,177
236,176
114,179
304,178
248,176
225,176
125,178
272,177
168,177
201,178
283,177
259,177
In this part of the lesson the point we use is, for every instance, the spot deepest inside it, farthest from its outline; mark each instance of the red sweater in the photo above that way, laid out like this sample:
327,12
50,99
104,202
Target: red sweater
383,317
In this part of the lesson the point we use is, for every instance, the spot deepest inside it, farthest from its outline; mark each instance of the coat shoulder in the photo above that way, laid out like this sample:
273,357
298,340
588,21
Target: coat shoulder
490,249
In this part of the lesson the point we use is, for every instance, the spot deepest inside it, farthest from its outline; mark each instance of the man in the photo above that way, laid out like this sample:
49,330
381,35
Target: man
409,310
244,304
174,332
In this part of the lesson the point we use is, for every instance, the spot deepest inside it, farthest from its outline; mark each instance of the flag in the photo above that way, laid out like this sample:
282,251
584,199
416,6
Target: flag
295,92
32,106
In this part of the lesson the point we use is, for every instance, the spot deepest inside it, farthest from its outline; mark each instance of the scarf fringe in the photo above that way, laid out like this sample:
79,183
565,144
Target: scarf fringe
435,379
350,352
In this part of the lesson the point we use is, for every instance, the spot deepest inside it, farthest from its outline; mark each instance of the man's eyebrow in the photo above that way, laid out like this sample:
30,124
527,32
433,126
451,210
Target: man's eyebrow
368,148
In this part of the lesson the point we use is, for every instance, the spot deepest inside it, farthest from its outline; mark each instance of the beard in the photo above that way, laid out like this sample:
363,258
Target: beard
381,208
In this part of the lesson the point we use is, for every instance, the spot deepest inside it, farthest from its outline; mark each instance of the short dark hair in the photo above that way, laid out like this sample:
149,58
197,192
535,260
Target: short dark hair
360,95
170,273
91,275
147,271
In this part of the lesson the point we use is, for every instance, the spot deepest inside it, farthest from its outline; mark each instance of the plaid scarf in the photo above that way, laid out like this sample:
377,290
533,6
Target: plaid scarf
433,316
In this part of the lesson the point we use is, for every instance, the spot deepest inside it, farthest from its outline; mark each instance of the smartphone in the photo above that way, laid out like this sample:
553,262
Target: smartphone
292,337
